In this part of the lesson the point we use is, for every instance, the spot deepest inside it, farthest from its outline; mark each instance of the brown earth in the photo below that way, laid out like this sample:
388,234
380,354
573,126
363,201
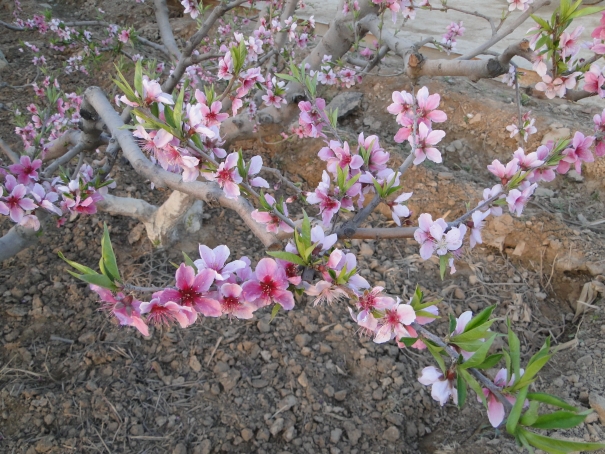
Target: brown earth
71,381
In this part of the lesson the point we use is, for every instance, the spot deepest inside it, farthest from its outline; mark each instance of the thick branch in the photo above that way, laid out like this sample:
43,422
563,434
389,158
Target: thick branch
10,154
17,239
127,206
209,192
161,17
383,233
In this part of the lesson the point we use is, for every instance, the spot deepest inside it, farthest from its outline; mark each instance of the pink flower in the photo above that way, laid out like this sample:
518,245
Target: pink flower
338,155
272,99
495,408
442,387
225,67
256,165
446,242
124,36
192,291
391,324
26,169
227,176
427,104
517,199
521,5
369,303
423,148
423,233
328,205
125,308
578,152
15,203
274,223
214,259
212,116
232,303
165,313
325,291
378,158
594,80
398,209
502,172
569,44
325,241
152,92
527,162
270,285
46,199
551,87
403,105
476,225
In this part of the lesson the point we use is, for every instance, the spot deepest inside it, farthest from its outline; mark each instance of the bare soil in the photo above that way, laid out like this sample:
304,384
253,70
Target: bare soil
73,382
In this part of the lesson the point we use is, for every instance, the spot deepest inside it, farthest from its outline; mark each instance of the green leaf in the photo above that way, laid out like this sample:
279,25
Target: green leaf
551,400
305,229
479,332
108,256
531,372
557,445
531,414
189,262
475,386
515,353
138,78
169,114
95,279
558,420
453,323
480,318
275,311
436,352
490,361
442,265
76,265
479,356
349,184
178,108
515,413
287,256
287,77
408,341
461,386
426,314
470,346
587,11
541,22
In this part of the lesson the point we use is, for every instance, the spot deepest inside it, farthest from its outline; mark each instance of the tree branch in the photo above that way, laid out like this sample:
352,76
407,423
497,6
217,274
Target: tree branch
209,192
10,154
161,17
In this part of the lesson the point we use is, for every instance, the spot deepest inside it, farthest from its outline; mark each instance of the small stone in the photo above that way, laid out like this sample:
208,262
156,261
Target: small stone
366,250
194,363
353,433
136,233
392,433
335,435
329,391
287,403
49,419
597,403
584,361
17,311
457,144
203,448
302,380
340,395
377,394
3,61
247,434
45,444
411,430
263,435
302,340
459,293
180,448
137,429
475,119
324,348
472,279
544,192
260,383
575,176
263,326
345,102
289,434
277,426
87,338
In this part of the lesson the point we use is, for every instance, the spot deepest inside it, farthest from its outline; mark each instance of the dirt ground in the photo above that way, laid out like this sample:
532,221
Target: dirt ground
73,382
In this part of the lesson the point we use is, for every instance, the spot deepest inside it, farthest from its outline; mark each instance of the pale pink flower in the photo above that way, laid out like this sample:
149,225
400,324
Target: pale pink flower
227,176
476,225
270,285
550,87
325,291
398,209
527,162
594,80
215,259
442,387
423,233
391,324
274,223
569,44
495,408
505,173
521,5
256,165
325,241
488,194
368,303
427,105
517,199
152,92
338,155
423,148
403,105
328,205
